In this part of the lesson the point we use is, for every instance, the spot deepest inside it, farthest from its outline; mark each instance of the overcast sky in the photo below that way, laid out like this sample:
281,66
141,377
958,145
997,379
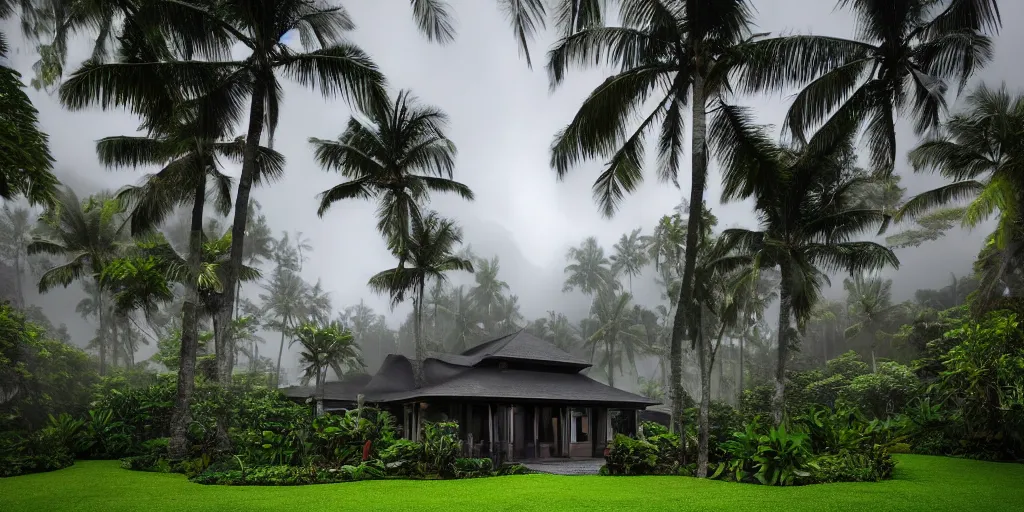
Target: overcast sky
503,118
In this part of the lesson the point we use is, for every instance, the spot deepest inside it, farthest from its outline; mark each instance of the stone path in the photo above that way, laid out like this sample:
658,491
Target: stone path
566,466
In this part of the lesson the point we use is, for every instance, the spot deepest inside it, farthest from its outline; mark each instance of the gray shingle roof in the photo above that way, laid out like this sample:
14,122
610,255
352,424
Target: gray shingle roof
345,390
522,385
518,346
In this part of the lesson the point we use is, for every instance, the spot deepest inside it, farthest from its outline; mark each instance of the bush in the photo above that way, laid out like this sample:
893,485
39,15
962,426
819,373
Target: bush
472,468
776,458
883,393
441,447
22,453
508,469
628,456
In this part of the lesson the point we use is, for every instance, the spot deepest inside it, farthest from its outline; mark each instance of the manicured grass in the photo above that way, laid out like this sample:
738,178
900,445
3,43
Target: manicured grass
921,483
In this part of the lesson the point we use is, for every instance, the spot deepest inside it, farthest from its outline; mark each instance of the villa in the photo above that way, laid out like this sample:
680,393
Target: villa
517,397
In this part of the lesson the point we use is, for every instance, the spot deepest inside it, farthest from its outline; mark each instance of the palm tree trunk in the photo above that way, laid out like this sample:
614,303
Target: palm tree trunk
19,290
704,414
115,343
280,353
102,338
683,315
418,325
742,354
181,417
779,399
245,180
611,366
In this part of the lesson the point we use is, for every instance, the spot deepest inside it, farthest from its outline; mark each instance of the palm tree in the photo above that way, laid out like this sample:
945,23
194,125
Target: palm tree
807,226
630,257
209,31
487,294
979,150
589,270
284,302
463,316
618,335
903,58
26,166
87,234
677,53
326,346
398,156
429,254
508,315
869,303
15,235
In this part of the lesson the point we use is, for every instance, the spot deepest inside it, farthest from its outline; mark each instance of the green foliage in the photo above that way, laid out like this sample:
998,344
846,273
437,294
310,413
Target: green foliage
628,456
976,406
472,468
39,376
883,393
441,447
776,458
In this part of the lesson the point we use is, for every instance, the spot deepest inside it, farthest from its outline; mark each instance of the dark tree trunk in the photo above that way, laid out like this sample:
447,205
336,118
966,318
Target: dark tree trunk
102,338
280,351
114,341
182,415
779,399
245,181
684,313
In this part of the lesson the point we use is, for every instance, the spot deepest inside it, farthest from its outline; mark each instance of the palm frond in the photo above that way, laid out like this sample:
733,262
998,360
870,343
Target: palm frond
434,19
938,197
526,16
344,70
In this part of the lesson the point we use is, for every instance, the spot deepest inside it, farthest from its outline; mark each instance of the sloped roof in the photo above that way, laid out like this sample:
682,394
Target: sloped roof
345,390
522,385
395,375
519,346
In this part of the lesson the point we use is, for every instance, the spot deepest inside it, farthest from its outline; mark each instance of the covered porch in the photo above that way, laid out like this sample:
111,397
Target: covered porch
526,430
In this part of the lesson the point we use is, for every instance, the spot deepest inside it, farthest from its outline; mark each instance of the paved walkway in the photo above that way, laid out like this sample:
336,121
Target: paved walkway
566,466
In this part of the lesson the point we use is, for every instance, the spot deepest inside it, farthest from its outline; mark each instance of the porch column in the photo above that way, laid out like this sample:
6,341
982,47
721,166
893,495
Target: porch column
490,428
510,418
536,432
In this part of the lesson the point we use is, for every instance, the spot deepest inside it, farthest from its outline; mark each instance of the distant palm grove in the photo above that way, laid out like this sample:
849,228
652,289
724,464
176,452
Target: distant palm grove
764,378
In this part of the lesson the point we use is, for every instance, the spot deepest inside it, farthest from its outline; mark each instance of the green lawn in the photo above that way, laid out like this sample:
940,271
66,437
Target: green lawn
922,483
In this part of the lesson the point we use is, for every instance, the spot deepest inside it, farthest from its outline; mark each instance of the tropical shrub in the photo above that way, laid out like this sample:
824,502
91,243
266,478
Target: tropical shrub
441,447
628,456
776,458
883,393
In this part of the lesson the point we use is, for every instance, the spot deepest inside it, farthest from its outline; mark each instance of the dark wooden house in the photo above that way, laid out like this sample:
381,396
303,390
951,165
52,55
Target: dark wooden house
515,398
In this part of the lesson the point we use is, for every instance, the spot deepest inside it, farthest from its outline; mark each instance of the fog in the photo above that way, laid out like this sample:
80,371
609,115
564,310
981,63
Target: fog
503,118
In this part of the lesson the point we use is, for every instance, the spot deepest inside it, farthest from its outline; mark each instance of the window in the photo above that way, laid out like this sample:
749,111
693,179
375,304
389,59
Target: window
580,426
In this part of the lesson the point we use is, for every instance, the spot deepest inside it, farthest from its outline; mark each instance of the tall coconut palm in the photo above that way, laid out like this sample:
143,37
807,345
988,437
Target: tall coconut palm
284,303
589,269
807,227
509,318
325,60
630,257
429,254
463,317
901,62
397,156
326,346
618,335
981,151
676,53
487,294
870,307
88,235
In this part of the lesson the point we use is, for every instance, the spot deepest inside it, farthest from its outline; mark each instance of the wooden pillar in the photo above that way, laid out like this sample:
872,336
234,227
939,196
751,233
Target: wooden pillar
537,432
510,418
469,428
490,428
